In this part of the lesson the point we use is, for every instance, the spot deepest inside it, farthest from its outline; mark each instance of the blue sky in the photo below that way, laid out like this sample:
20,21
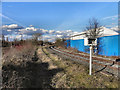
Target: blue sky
59,15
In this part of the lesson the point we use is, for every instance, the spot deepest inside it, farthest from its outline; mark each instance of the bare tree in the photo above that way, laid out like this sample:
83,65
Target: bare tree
37,36
60,42
94,30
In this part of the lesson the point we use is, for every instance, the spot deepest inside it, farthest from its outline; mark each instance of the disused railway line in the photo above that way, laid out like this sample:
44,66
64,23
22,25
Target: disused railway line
99,63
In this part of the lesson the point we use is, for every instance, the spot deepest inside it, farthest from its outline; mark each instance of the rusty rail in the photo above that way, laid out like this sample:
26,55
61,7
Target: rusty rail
111,64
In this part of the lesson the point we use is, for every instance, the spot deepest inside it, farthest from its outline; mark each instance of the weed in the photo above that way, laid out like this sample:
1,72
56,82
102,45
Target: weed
77,75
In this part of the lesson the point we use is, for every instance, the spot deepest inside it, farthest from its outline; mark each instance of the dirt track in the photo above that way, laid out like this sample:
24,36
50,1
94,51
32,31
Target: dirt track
33,72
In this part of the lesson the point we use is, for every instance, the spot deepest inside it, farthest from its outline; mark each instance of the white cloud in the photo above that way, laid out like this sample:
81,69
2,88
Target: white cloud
111,17
46,36
14,29
31,28
18,36
58,32
50,35
44,31
59,36
9,30
51,31
22,30
12,26
69,31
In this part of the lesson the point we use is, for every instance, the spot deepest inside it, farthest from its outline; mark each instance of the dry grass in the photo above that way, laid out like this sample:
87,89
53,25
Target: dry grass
50,71
28,68
76,75
17,54
14,66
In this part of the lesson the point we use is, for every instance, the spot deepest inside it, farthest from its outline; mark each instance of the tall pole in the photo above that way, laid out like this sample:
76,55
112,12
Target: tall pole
90,67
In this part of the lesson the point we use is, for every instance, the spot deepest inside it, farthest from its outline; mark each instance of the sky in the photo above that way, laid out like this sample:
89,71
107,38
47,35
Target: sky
59,16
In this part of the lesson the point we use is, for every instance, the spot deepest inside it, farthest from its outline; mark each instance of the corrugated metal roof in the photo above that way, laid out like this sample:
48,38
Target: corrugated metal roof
105,32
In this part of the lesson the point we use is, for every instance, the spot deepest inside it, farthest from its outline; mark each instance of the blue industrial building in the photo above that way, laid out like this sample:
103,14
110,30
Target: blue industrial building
109,45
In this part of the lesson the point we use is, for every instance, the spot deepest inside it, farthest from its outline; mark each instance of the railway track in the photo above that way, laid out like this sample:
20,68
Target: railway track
108,65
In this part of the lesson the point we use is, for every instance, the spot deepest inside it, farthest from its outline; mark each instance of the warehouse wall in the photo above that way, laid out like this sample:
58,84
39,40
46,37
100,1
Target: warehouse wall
108,45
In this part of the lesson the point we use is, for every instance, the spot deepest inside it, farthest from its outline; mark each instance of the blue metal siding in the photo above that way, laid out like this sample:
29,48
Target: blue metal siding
108,45
78,44
68,43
